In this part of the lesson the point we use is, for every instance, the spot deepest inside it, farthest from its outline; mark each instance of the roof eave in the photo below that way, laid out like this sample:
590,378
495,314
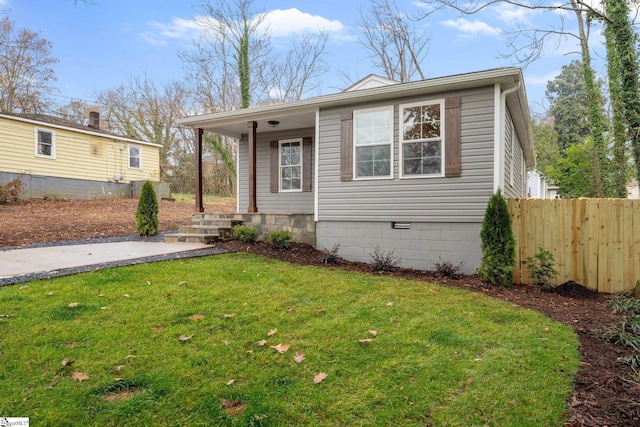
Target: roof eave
507,76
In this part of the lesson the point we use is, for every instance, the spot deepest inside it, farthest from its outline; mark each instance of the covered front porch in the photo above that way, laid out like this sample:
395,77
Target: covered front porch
275,175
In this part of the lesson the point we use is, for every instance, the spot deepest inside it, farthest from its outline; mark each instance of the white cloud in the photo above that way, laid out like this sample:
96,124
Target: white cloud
287,22
471,28
178,29
510,13
280,22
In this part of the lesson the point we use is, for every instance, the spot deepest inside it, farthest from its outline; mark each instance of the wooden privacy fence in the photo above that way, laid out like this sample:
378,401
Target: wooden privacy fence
596,242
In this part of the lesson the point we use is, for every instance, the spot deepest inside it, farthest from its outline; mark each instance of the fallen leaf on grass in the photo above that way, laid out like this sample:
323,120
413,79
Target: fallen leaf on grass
373,332
390,303
49,293
185,337
148,282
231,381
126,295
227,316
319,378
299,357
73,304
67,362
79,376
157,329
225,342
182,283
281,348
319,309
248,351
24,286
262,343
272,332
118,368
365,340
196,317
232,407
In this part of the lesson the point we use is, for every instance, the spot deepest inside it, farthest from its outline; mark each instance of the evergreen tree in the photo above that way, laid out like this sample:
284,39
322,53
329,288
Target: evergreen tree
498,244
147,212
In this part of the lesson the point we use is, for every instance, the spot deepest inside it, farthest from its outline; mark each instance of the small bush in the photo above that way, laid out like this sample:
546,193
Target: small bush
330,256
497,243
147,212
448,269
279,239
245,233
542,268
10,192
381,261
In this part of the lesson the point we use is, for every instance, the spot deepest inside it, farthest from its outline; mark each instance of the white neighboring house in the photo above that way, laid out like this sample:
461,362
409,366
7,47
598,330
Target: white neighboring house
538,188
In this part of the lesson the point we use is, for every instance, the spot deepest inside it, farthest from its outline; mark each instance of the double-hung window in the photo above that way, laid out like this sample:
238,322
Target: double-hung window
135,157
45,143
291,165
421,140
373,136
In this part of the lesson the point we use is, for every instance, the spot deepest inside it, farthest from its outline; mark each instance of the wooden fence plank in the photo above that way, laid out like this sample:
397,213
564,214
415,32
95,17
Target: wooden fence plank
595,242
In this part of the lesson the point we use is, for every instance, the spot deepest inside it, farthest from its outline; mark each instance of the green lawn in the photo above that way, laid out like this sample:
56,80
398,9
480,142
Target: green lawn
430,356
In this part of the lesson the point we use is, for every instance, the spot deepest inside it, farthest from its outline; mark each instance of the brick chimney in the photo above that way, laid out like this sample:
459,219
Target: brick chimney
94,119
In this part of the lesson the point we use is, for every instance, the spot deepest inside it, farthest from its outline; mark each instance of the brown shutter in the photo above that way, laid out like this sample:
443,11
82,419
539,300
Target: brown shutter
306,164
346,146
452,137
275,167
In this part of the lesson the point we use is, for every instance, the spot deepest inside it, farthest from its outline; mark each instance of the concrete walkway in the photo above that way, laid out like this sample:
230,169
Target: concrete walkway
16,262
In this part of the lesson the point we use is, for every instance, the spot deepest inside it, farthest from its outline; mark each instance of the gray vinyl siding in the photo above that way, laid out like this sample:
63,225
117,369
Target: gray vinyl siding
267,202
514,185
461,199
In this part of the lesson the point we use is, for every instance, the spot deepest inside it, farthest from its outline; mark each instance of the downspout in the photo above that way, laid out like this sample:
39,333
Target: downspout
499,122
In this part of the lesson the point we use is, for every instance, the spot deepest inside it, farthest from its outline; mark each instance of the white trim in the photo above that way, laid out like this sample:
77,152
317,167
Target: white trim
129,147
497,136
72,129
401,140
390,110
288,141
238,176
316,181
37,143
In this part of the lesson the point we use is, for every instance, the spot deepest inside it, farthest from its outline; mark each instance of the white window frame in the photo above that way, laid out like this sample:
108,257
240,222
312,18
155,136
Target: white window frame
129,157
289,141
53,143
356,113
441,138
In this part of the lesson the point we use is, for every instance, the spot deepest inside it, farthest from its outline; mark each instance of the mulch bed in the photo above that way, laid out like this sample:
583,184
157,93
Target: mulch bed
607,391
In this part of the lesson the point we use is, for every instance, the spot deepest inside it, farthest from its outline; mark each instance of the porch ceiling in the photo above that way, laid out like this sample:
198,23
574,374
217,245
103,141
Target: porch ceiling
235,127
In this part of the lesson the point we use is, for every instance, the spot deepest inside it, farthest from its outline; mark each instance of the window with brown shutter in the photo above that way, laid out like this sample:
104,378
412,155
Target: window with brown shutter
286,163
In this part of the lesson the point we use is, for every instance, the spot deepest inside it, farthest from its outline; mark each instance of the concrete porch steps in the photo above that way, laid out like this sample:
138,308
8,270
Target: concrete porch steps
204,228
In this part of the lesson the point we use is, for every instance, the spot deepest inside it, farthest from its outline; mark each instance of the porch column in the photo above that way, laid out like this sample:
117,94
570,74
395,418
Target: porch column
198,144
252,167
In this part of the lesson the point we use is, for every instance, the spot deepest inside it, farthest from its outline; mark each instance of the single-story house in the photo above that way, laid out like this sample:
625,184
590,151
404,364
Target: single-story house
402,167
56,158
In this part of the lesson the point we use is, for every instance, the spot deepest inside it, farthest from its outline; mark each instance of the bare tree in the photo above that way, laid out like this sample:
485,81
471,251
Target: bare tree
145,110
397,46
26,69
233,64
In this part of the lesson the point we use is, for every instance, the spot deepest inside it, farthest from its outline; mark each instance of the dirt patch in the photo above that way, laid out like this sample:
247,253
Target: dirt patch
122,395
607,391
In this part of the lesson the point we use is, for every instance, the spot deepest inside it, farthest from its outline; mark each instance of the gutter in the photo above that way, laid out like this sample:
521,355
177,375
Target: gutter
499,120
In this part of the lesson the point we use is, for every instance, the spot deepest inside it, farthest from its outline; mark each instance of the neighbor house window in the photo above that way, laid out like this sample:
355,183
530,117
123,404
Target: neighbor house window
45,143
421,140
291,165
373,136
135,157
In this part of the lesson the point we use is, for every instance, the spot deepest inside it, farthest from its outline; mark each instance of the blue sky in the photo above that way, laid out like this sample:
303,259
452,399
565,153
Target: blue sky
104,45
